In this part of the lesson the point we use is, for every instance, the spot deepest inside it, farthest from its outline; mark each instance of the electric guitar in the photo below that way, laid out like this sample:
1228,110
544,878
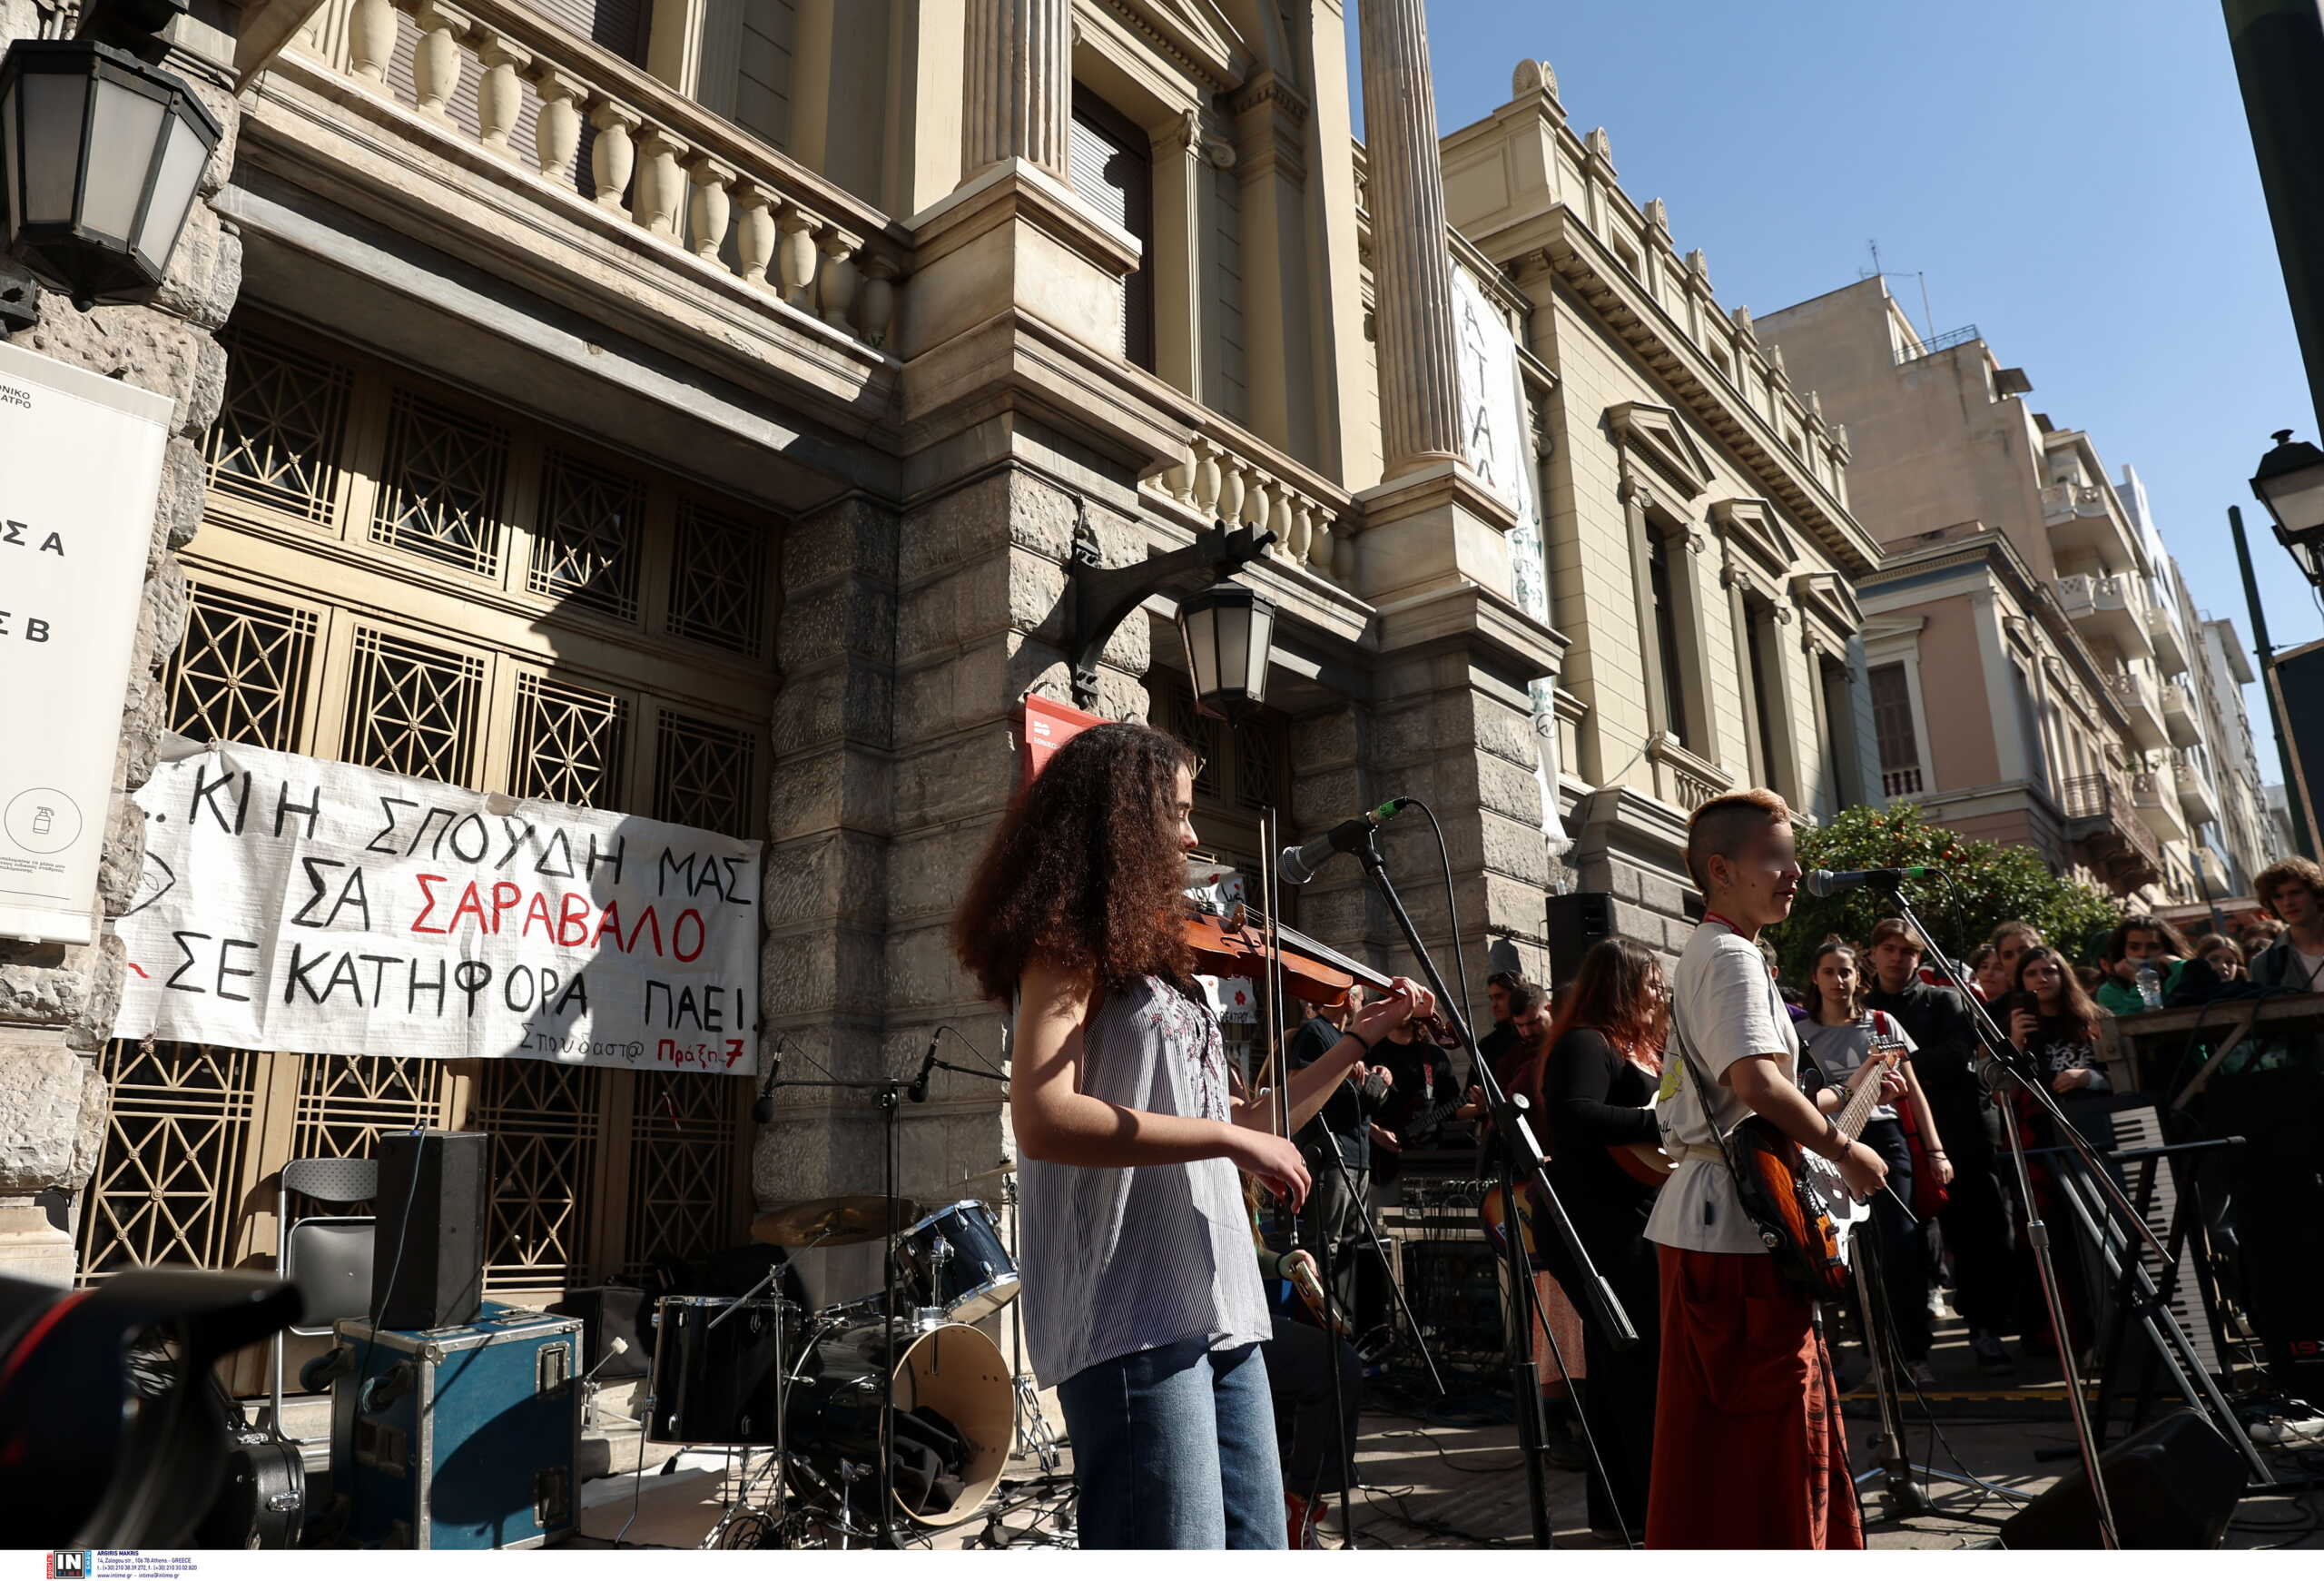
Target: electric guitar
1805,1210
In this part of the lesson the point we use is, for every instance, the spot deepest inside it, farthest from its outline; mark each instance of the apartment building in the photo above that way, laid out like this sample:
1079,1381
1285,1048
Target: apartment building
2013,558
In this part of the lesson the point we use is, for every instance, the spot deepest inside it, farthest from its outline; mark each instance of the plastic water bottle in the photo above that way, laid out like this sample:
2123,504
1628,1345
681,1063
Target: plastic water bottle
2151,986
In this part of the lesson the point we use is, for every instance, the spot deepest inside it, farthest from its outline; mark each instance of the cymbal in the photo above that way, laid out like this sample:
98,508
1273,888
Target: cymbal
830,1220
1006,1167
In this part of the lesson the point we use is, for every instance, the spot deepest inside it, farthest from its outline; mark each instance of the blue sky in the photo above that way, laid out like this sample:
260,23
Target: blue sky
2073,176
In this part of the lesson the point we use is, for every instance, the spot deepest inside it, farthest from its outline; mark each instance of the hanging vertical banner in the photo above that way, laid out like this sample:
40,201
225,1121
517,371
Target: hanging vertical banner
1497,441
80,469
312,907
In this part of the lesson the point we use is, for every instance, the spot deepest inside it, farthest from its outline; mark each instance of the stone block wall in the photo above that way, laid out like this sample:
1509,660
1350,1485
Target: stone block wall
57,1003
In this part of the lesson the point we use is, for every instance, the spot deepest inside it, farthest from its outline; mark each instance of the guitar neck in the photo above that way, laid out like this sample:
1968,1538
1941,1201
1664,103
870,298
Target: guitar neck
1864,1099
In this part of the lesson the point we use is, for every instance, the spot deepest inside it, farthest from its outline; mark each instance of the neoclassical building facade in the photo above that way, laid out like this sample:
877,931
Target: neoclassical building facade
700,410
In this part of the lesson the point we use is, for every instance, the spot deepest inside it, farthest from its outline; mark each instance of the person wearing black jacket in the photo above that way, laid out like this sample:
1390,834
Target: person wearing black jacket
1976,1220
1344,1125
1596,1092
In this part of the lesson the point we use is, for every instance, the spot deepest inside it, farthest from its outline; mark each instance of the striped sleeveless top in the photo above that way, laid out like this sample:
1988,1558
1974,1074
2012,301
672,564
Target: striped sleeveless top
1118,1260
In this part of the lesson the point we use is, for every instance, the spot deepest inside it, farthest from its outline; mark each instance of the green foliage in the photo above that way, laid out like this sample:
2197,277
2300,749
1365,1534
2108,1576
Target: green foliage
1989,883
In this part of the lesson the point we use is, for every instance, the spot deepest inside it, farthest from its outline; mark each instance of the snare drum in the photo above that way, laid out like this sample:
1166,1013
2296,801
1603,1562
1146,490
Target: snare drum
954,1261
719,1386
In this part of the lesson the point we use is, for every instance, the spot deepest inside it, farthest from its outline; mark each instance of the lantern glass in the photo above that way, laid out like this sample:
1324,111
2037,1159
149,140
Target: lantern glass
172,198
1229,635
2295,499
124,126
53,106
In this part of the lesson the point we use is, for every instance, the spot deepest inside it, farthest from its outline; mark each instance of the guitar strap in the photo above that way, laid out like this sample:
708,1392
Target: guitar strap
1750,1200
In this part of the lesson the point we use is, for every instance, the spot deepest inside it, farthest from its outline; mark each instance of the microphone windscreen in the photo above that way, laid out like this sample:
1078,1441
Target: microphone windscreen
1817,883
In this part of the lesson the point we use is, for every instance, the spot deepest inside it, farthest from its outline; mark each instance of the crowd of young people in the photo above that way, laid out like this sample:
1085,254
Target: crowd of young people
1188,1398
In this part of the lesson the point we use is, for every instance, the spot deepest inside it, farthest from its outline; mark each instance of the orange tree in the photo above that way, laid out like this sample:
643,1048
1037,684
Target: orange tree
1984,884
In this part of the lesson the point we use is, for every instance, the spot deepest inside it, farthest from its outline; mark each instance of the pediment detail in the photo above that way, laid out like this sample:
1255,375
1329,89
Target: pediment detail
1656,433
1752,525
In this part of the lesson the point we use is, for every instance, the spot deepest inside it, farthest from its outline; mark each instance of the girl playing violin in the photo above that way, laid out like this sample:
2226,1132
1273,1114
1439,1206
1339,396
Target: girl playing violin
1143,1306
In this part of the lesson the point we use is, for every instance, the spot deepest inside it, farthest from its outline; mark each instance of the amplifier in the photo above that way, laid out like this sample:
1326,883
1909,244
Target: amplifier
607,1313
433,1212
1454,1289
459,1438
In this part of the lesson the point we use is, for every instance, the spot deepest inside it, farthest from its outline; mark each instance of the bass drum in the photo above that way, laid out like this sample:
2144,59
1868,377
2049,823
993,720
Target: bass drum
955,1406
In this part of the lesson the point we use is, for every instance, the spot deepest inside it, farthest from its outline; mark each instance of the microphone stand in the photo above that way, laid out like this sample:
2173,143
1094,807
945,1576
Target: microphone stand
1518,1154
2005,1062
888,1093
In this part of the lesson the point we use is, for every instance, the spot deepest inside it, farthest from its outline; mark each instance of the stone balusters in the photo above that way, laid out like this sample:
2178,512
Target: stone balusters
370,41
755,234
500,92
612,156
651,166
707,214
1223,486
556,135
436,63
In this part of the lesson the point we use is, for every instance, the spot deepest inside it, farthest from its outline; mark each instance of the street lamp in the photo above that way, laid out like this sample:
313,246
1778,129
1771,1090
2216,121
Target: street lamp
2290,484
1229,633
100,155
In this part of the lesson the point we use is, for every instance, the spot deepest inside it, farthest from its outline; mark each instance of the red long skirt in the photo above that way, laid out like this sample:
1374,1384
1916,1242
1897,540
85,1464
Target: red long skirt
1749,1451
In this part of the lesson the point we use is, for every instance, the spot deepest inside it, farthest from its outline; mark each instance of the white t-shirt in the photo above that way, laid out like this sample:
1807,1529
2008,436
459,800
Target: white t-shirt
2312,969
1724,1008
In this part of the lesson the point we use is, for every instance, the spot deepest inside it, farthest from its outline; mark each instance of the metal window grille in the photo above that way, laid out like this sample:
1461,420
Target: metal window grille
570,743
414,709
177,1140
239,673
718,581
278,430
441,485
547,1123
681,1166
703,773
584,551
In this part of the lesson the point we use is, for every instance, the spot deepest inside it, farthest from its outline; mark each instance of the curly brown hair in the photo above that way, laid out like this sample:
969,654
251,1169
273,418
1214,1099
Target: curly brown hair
1085,869
1615,992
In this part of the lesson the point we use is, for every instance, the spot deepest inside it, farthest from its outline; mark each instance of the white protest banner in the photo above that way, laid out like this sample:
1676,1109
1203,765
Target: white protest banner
80,466
303,907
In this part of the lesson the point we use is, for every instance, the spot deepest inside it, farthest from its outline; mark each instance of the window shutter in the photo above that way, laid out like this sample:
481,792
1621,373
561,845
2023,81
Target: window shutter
1102,175
619,25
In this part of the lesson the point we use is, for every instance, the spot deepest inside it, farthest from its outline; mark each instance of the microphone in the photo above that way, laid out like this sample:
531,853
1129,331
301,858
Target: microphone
1823,882
918,1091
1299,863
763,1111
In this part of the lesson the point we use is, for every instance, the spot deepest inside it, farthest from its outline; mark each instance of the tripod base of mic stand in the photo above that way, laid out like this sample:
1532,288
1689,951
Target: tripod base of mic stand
1922,1475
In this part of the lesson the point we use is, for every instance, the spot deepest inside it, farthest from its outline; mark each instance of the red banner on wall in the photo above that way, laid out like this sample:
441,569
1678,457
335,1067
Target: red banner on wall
1048,726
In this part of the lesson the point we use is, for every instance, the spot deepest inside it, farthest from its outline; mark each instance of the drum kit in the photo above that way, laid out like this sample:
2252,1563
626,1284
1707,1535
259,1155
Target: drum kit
813,1386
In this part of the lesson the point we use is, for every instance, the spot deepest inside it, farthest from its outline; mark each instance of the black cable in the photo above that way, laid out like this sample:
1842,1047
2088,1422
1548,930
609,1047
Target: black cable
1452,907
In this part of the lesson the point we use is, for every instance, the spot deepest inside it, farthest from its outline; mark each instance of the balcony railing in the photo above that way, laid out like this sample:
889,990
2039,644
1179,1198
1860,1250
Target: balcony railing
510,82
2064,501
1901,782
2136,694
2178,715
1233,476
1943,342
2101,812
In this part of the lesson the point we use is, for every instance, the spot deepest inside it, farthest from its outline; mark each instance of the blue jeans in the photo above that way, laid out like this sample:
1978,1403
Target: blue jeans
1173,1447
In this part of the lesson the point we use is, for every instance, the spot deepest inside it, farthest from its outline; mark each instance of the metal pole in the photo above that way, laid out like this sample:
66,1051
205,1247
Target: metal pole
2266,652
2278,47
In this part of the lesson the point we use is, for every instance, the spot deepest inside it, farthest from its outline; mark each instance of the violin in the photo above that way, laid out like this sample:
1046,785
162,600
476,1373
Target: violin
1235,943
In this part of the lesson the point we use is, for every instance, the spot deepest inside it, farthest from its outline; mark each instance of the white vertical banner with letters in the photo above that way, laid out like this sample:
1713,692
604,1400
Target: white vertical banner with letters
80,469
305,906
1497,442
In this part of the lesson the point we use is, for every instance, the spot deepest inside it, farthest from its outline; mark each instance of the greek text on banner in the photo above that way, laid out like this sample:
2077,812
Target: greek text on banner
303,906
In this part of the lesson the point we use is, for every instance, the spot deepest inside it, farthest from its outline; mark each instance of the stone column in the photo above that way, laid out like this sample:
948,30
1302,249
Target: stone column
1017,90
1420,381
57,1002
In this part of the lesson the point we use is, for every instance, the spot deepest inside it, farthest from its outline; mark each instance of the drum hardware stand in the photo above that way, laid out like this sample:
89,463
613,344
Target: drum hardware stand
1519,1153
2005,1065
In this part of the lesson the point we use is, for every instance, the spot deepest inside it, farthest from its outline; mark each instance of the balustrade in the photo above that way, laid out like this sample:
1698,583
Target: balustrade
1230,476
672,169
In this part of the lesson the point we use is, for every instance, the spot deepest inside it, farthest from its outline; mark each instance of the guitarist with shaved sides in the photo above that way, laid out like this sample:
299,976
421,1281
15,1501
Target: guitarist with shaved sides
1750,1450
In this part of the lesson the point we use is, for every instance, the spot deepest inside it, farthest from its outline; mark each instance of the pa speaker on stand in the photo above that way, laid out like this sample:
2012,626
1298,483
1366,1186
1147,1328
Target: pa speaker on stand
433,1207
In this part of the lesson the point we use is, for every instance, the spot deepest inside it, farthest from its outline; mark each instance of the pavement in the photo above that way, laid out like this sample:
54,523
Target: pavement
1445,1473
